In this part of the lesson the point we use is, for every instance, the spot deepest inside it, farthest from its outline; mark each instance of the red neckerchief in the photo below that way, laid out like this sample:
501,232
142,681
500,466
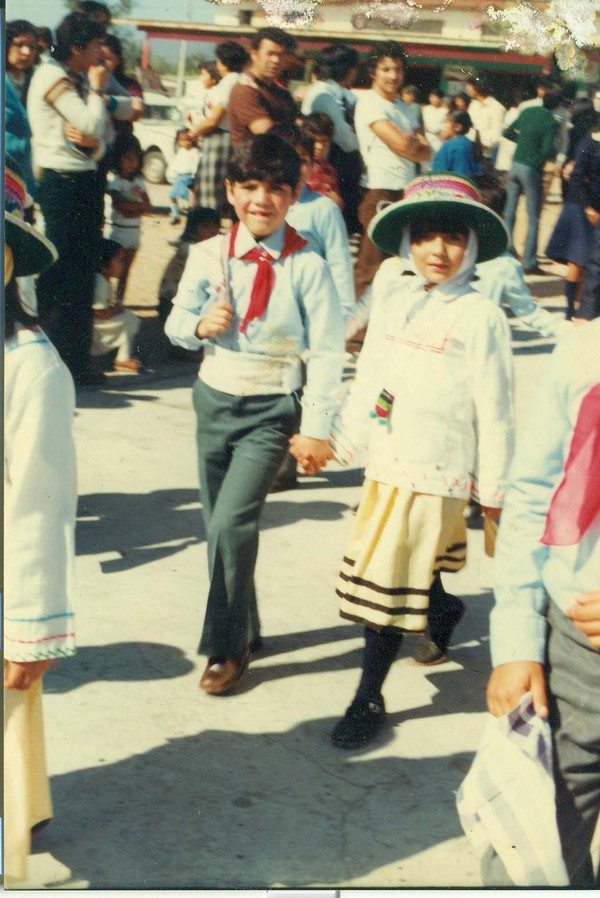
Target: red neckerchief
576,502
265,276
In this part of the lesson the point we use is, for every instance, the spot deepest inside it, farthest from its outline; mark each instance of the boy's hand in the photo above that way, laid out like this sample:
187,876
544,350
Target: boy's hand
74,135
312,455
508,683
218,319
585,614
21,674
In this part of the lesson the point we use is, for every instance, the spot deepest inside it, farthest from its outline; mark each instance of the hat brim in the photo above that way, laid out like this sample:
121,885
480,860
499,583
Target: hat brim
32,252
385,230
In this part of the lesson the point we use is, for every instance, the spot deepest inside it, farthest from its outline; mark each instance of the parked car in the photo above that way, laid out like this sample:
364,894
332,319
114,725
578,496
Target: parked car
156,131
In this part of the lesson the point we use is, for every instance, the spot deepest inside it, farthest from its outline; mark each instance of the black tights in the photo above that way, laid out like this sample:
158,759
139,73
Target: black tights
381,648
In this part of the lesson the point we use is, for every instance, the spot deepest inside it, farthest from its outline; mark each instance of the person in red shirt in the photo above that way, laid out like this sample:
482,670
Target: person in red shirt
323,177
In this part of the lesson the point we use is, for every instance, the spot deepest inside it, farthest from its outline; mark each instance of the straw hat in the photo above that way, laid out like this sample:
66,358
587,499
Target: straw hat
446,197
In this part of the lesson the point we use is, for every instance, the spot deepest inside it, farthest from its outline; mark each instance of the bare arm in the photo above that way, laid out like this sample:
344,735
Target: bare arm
260,125
209,123
413,147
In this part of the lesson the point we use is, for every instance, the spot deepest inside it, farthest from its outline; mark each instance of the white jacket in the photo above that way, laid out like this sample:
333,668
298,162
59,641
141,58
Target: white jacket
446,359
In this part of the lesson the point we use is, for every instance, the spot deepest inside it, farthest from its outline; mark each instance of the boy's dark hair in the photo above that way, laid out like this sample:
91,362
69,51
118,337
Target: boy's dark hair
436,92
125,143
553,96
107,250
412,90
276,35
44,34
482,83
335,61
296,137
93,8
461,117
233,55
265,157
211,68
15,28
75,30
391,49
319,124
491,191
199,217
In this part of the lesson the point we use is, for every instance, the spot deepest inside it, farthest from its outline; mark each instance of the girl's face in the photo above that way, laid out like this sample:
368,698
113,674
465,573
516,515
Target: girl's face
447,129
438,254
185,141
111,60
22,53
434,100
206,79
322,146
388,76
129,164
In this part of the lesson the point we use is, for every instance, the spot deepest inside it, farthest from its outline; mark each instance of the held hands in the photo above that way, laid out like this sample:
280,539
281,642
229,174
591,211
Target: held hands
585,614
312,455
217,320
509,682
22,674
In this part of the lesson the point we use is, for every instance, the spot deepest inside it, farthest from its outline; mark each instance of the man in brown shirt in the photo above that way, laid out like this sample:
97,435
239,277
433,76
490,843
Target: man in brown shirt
257,102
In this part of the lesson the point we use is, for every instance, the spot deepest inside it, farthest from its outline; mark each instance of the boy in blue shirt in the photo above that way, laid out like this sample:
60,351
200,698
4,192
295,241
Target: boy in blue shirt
257,299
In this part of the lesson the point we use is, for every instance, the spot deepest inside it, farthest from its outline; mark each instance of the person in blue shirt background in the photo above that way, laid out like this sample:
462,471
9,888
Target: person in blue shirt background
458,153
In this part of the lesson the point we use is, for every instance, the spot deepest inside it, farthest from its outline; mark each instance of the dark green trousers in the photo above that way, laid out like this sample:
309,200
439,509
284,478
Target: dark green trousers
241,442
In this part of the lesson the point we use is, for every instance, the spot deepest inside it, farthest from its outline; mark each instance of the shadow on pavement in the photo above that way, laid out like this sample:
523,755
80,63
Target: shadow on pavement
224,809
118,662
134,525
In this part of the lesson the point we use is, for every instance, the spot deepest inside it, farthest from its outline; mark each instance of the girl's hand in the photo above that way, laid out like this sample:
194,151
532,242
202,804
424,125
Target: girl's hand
312,455
509,682
74,135
217,320
21,674
97,76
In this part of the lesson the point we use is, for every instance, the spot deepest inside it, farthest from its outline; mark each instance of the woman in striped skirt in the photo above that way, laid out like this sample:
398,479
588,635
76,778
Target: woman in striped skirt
431,407
213,129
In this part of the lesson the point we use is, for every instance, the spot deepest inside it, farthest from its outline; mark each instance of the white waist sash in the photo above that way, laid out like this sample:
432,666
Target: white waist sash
247,373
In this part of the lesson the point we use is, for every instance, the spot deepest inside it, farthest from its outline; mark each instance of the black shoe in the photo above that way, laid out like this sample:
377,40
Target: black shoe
361,723
445,611
256,645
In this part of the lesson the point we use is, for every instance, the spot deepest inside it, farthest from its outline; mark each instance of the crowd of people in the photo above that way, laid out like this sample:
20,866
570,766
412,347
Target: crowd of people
263,284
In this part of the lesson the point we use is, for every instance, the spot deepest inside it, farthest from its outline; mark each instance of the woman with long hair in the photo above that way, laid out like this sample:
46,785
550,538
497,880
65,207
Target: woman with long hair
20,57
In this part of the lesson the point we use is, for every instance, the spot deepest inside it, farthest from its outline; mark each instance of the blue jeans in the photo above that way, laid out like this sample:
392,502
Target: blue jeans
523,179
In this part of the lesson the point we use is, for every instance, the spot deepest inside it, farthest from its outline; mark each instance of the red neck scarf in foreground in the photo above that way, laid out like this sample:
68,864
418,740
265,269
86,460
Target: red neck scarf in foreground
576,502
265,276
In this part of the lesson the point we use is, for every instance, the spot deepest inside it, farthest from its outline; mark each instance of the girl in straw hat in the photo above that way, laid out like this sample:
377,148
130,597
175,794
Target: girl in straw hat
432,408
39,521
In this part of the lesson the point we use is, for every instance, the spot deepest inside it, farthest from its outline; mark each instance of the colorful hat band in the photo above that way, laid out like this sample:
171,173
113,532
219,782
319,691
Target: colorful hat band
431,187
14,194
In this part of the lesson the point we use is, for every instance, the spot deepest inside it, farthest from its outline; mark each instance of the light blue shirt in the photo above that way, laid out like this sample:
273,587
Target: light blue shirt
303,315
330,97
528,572
502,280
319,220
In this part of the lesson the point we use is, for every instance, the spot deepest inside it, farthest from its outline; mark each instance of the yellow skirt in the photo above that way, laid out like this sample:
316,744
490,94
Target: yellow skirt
400,540
26,787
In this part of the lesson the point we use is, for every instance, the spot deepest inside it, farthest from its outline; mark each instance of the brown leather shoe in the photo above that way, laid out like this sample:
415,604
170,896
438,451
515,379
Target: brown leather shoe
223,676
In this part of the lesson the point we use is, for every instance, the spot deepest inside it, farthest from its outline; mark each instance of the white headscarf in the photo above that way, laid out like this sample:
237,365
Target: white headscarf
462,277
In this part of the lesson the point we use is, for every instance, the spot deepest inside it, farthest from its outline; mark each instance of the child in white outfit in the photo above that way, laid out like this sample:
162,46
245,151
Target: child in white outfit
114,328
431,406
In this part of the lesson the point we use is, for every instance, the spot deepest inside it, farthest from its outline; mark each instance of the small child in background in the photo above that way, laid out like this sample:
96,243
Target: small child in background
323,176
129,201
181,172
113,328
201,224
458,153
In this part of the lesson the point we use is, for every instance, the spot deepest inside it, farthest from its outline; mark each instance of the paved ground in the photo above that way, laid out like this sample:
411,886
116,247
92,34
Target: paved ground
157,785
